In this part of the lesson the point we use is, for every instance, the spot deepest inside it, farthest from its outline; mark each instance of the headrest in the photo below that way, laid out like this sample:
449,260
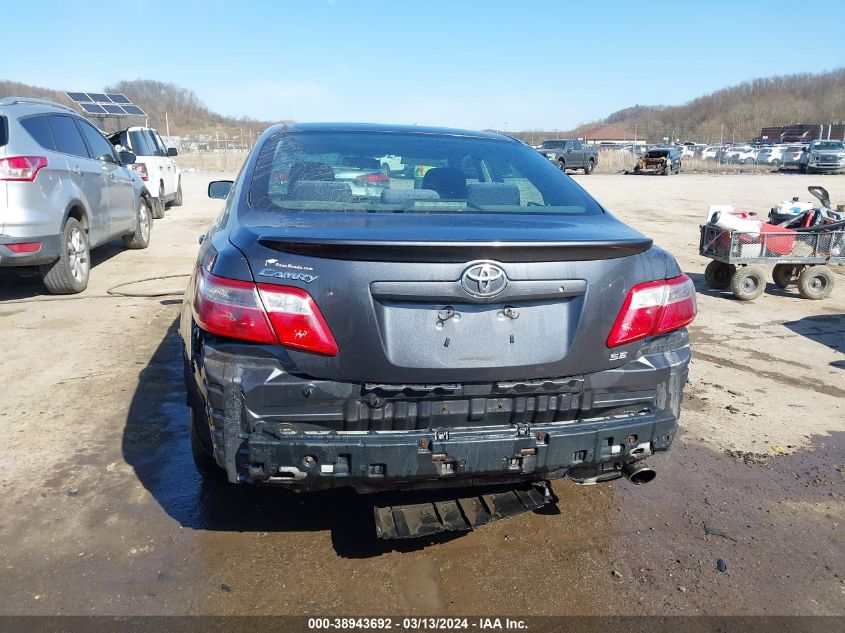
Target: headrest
492,193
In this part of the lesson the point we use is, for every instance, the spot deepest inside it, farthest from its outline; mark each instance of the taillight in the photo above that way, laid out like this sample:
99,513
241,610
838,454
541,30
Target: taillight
263,313
21,168
297,319
25,247
653,308
141,170
230,308
378,179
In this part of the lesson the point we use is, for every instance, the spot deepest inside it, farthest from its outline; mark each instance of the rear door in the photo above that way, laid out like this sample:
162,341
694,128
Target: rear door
168,165
86,173
144,149
121,190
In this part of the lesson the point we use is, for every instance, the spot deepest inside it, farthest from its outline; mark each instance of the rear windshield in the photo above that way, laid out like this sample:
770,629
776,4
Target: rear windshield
371,172
4,131
552,144
658,153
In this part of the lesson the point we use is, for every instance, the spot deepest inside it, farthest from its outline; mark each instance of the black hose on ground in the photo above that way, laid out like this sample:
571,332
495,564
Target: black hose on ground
113,291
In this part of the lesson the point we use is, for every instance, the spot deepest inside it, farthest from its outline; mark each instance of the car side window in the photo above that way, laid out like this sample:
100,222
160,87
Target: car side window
68,137
140,144
101,149
39,129
162,150
576,144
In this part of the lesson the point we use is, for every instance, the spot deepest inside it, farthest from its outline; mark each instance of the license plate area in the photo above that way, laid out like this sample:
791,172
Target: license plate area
434,335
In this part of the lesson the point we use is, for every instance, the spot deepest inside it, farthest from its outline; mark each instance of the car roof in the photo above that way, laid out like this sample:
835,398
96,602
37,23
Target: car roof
35,105
379,128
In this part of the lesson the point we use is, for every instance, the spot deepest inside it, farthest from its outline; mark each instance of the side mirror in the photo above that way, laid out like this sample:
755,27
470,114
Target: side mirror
220,189
172,151
127,158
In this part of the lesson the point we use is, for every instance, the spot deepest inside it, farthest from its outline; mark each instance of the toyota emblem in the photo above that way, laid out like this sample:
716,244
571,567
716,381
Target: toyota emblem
484,279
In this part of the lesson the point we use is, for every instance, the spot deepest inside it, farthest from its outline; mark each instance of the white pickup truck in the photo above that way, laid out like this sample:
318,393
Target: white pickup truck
155,165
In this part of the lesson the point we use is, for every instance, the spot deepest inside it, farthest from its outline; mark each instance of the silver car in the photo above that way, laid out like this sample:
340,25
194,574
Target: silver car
63,191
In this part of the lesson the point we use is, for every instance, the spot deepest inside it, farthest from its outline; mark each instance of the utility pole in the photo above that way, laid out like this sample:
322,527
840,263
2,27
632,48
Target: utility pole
167,126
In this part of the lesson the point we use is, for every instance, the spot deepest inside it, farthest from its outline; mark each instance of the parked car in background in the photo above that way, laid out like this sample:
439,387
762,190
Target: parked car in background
770,155
155,164
743,154
823,156
64,190
792,155
570,154
409,339
660,160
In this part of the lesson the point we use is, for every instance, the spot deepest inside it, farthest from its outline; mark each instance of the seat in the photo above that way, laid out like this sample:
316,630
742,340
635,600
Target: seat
448,182
308,171
322,191
492,193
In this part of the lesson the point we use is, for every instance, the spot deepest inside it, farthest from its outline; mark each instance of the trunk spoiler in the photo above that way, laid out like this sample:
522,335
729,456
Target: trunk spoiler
455,252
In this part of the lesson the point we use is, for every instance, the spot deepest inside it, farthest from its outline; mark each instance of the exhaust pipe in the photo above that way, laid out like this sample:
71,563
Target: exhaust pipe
639,473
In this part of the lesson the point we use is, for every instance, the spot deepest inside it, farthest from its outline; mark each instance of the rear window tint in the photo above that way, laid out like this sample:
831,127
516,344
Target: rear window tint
406,172
4,131
67,135
39,129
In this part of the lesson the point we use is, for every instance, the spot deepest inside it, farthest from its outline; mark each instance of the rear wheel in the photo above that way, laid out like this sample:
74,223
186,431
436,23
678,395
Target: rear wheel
69,273
748,283
561,165
201,449
775,163
588,169
718,275
784,275
749,161
143,227
177,201
158,204
815,282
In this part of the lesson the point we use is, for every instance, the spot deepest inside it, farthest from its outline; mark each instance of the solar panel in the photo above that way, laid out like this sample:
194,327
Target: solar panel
92,108
133,109
100,103
78,97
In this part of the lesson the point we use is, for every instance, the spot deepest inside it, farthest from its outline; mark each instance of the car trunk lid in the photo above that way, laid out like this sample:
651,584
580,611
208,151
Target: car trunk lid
401,295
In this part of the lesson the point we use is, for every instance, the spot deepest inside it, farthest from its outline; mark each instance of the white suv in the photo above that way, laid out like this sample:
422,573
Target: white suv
155,165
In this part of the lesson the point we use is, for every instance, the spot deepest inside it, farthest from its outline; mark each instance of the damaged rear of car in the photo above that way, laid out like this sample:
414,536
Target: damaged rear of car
662,160
487,323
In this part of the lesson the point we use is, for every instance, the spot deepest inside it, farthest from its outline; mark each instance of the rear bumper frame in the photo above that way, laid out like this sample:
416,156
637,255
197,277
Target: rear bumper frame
270,426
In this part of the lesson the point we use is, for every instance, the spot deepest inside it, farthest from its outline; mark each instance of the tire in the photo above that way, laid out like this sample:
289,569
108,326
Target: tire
588,169
158,204
201,449
784,275
802,168
177,201
775,163
143,227
69,273
748,283
718,275
749,161
561,164
815,282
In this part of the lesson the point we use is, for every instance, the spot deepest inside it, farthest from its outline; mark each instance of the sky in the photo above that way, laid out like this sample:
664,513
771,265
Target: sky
494,64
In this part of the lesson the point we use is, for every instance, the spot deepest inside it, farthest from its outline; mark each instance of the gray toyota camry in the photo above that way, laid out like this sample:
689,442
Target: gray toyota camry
473,320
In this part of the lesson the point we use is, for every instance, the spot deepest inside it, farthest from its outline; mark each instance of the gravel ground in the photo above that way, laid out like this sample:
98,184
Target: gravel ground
101,511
